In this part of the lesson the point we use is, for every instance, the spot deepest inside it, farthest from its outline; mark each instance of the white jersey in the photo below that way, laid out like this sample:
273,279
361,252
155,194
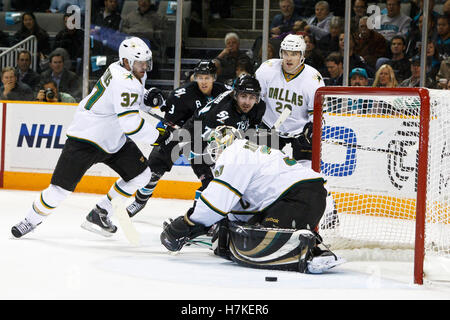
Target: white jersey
110,112
296,93
247,179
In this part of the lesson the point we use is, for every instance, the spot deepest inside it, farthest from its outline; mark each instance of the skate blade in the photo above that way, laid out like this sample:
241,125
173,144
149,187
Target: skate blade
92,227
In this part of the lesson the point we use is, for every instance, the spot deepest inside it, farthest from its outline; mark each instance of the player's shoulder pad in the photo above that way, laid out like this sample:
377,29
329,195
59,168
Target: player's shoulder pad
313,73
271,63
122,77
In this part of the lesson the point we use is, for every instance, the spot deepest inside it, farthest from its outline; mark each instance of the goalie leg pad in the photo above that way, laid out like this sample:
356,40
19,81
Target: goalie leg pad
279,249
270,248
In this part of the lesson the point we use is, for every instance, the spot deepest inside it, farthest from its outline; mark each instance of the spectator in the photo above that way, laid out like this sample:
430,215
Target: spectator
359,78
108,17
49,93
244,65
359,10
66,80
145,22
24,72
312,55
29,27
414,80
433,14
398,61
319,25
369,44
394,22
284,21
30,5
355,60
334,63
443,36
70,39
12,89
385,77
443,74
271,54
330,42
433,60
446,8
228,58
415,37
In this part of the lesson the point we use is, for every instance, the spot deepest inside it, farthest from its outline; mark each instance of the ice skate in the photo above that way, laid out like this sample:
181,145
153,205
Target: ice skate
97,221
22,228
135,207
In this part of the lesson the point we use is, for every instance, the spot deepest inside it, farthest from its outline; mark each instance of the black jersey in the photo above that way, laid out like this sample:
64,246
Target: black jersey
224,111
185,100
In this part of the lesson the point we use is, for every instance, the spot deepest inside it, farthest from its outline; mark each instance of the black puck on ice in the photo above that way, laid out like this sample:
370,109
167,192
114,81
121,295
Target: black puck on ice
272,279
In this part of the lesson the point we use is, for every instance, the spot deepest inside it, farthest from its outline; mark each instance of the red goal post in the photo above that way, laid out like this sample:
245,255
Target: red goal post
368,127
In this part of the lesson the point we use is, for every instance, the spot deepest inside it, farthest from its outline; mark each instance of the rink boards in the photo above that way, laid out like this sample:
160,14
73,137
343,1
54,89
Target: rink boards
32,137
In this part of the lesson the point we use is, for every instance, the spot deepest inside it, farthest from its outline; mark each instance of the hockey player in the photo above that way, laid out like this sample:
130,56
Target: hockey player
179,107
289,83
271,201
100,132
240,108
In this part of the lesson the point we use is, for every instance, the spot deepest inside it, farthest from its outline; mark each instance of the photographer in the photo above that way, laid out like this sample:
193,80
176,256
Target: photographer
49,93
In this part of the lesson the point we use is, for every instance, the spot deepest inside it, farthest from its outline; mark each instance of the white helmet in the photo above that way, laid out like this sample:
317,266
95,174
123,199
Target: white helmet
294,42
135,49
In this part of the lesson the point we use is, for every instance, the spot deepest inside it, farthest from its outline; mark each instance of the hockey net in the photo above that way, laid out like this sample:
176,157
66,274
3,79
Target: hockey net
386,156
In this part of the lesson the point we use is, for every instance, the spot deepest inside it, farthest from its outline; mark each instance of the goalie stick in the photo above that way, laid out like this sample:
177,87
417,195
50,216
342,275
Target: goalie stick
365,148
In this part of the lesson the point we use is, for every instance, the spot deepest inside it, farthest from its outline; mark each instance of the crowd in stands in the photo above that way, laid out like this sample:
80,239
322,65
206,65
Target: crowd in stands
382,53
387,53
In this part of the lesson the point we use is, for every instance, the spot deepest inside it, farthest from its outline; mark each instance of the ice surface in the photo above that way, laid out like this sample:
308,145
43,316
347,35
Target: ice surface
60,260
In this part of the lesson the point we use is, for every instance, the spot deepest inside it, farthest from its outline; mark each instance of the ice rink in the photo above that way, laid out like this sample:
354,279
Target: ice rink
60,260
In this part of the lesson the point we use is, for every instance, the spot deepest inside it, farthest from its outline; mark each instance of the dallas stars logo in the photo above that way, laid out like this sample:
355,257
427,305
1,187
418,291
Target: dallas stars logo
318,77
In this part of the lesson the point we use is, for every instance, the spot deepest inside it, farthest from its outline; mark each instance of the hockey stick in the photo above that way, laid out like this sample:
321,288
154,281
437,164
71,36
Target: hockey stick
202,242
361,147
158,117
128,228
282,118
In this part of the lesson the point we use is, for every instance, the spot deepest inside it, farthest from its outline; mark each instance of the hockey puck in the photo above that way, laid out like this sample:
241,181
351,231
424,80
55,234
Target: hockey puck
272,279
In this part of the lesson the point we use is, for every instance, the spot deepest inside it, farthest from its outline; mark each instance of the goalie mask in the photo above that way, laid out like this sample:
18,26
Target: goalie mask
136,50
219,139
295,43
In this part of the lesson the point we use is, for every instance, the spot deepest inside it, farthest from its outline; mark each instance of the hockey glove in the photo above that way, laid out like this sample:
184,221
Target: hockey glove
165,135
307,133
154,98
179,231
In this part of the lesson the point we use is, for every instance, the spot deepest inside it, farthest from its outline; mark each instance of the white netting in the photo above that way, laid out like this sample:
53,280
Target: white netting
369,153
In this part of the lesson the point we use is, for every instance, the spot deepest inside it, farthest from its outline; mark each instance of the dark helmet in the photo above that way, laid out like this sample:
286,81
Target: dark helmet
248,84
205,67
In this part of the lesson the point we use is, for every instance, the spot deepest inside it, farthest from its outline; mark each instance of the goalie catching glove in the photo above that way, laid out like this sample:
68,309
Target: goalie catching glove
177,232
154,98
